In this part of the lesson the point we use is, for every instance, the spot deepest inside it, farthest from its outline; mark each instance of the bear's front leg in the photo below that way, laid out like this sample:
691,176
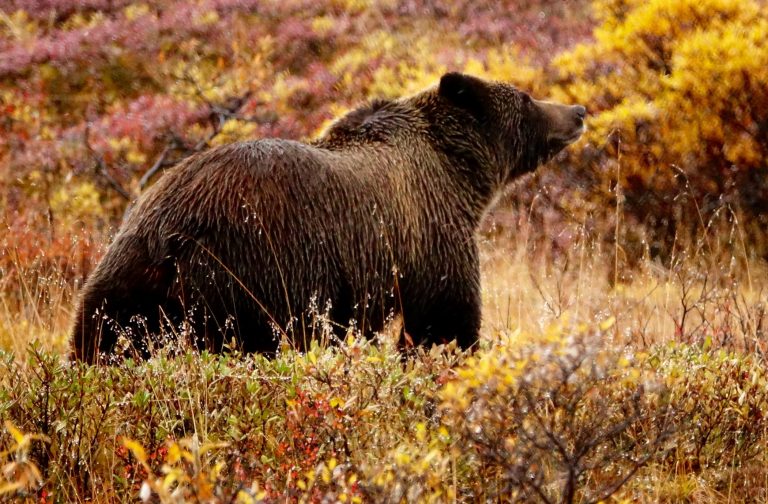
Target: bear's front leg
453,313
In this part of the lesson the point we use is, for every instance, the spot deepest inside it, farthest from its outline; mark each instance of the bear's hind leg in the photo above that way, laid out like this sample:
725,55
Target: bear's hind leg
125,287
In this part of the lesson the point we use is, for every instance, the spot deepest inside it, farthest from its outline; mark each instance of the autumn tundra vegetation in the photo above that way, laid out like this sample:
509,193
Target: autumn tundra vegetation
622,351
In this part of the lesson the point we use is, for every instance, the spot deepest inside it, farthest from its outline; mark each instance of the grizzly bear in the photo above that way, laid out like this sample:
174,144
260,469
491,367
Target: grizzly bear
375,218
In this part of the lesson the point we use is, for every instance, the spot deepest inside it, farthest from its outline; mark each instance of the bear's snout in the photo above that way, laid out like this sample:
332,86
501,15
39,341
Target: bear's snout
580,111
565,123
579,114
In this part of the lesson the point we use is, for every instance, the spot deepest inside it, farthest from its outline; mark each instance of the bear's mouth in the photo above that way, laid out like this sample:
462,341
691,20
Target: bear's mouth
568,139
558,142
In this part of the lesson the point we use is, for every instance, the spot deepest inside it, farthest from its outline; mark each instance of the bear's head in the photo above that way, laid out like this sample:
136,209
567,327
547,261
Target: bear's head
518,132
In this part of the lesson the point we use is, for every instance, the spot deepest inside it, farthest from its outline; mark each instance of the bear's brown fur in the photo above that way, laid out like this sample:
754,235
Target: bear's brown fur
376,217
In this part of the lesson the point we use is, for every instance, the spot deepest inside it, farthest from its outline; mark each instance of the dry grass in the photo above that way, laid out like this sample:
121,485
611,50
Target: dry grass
40,311
698,296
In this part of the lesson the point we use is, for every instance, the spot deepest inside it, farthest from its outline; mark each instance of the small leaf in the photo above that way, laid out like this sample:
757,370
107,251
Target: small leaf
136,449
607,323
174,453
18,436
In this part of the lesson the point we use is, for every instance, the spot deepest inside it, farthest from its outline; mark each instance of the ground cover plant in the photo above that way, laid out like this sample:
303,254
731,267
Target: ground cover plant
623,348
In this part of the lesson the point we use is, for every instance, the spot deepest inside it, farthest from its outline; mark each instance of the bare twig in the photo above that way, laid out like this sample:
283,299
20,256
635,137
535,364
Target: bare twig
160,163
218,116
100,168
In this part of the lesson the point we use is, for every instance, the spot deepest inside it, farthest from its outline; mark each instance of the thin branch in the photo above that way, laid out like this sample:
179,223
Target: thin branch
218,116
100,168
160,163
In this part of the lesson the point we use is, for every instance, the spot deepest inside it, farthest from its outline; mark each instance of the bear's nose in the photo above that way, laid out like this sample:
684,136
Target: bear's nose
580,111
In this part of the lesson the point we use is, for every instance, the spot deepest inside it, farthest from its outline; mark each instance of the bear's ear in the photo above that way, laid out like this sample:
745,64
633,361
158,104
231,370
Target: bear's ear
466,92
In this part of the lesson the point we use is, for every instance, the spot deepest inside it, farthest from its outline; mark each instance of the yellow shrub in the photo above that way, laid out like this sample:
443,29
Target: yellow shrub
677,98
556,418
508,65
76,202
